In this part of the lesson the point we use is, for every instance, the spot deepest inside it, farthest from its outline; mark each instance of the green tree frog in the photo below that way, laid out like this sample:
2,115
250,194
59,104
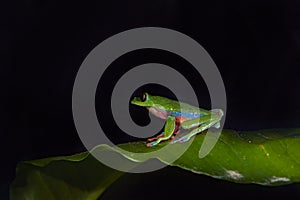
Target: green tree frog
179,116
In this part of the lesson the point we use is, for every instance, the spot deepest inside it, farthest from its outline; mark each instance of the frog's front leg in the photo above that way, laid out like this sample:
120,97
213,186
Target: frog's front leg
201,123
169,129
157,137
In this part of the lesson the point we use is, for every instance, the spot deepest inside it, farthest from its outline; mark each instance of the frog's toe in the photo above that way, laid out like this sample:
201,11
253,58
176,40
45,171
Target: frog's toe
151,144
217,125
173,142
180,140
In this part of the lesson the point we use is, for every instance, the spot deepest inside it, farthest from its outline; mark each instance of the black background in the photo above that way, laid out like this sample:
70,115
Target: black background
255,45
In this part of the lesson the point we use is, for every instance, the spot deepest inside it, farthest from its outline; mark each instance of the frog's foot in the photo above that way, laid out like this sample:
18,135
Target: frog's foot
217,125
189,135
220,113
151,144
181,140
156,138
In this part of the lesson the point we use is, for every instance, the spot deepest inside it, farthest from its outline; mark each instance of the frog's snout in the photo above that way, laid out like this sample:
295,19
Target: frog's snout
135,101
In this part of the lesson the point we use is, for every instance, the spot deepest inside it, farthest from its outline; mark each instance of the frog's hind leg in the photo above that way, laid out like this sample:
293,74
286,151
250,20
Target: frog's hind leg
157,137
200,124
177,127
193,132
220,113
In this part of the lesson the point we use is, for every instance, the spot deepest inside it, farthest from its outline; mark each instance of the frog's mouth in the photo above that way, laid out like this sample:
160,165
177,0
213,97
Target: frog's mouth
158,112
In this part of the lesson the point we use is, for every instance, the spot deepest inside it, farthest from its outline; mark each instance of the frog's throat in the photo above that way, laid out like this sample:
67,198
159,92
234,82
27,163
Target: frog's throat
162,114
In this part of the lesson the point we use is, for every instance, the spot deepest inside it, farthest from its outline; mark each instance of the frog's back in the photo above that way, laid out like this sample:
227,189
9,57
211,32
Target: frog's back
179,108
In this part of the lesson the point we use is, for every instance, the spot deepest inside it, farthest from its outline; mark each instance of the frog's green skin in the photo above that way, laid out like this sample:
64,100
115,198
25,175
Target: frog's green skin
178,116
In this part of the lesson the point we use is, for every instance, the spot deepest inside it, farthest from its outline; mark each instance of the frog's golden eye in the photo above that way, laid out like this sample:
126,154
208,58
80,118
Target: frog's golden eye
144,97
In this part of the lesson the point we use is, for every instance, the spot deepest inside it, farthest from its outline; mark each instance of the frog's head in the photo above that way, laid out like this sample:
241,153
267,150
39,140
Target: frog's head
144,100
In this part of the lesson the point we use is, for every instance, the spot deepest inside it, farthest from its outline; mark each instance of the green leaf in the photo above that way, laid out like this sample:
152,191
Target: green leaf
268,157
80,176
